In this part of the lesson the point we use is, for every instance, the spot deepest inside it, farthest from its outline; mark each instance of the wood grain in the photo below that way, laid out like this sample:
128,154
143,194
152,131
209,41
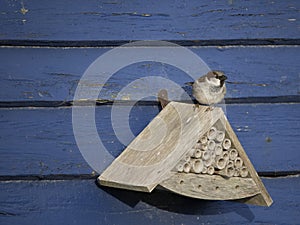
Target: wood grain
41,141
81,201
151,20
52,74
150,157
212,187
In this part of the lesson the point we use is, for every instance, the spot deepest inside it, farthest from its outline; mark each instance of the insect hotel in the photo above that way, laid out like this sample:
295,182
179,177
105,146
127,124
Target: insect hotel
190,150
173,157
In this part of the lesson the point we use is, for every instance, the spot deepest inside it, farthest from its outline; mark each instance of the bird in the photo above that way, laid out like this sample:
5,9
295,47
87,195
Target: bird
209,89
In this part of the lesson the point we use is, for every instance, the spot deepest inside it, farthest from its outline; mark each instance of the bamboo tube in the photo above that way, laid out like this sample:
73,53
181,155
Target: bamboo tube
187,167
208,162
204,170
238,162
211,134
211,145
225,155
197,146
244,171
220,136
220,163
233,154
197,154
197,166
206,155
203,139
179,167
212,154
210,170
229,171
204,147
226,144
218,149
236,172
230,163
187,158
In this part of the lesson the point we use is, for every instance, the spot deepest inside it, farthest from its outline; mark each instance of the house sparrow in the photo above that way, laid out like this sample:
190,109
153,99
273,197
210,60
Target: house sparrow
210,88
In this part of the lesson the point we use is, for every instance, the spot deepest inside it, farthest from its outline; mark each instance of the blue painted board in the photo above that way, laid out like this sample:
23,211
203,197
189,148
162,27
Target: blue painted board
40,141
150,20
82,202
52,74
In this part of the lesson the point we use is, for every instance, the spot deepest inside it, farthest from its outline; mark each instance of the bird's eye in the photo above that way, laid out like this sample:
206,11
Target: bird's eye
216,74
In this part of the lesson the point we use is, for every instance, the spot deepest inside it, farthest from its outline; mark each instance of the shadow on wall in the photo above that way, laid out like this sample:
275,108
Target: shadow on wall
172,202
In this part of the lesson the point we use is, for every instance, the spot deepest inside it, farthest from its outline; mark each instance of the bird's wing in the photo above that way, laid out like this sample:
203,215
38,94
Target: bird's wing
209,75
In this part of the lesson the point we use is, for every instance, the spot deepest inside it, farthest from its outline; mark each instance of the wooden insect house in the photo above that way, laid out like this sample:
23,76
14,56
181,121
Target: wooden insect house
190,150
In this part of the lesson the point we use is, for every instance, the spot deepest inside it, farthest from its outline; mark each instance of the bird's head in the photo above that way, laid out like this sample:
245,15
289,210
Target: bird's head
216,77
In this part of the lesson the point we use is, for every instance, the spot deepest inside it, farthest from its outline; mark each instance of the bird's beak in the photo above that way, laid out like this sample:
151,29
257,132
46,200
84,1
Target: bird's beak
222,78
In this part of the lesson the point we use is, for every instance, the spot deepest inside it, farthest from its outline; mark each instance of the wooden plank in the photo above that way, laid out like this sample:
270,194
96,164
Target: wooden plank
52,74
212,187
81,201
41,141
115,20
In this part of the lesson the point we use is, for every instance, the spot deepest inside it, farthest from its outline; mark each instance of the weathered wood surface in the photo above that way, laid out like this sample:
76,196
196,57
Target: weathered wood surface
52,74
82,202
41,140
150,157
212,187
154,20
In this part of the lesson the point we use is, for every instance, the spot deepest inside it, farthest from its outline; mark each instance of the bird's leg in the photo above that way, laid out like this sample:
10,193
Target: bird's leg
196,106
210,108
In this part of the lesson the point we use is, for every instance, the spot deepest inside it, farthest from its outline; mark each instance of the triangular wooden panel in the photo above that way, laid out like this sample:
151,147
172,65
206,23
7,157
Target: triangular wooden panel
191,150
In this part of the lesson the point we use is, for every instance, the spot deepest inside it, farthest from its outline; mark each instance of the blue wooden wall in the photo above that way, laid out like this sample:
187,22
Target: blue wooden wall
45,47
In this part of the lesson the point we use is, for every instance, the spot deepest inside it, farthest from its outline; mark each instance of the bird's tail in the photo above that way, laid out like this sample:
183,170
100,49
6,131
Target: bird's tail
163,97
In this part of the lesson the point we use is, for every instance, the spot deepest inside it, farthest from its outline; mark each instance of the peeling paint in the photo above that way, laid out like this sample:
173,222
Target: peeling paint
23,10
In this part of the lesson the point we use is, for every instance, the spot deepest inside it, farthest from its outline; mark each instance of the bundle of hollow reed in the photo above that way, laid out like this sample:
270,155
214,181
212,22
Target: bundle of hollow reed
213,153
